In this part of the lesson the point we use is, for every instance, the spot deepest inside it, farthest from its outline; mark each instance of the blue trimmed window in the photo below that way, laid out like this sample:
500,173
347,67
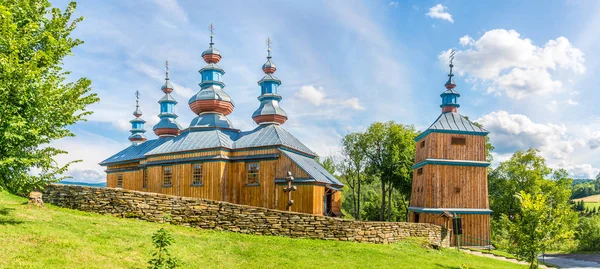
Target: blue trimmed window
253,173
197,179
167,176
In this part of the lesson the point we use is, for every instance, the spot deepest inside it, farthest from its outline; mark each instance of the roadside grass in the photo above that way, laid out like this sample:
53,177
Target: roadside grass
53,237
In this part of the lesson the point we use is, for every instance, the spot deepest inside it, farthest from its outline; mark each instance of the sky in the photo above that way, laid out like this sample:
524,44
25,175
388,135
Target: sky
526,70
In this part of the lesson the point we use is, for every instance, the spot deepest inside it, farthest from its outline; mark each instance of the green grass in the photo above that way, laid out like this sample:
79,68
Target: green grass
53,237
591,205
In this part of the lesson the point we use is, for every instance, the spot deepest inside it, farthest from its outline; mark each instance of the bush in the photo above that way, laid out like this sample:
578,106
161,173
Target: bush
161,258
588,233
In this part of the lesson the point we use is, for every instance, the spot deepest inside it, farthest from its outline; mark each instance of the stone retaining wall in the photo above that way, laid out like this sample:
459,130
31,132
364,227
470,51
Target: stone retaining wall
209,214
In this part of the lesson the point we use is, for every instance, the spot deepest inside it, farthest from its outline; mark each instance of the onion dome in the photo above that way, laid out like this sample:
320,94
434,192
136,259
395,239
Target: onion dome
211,99
137,124
167,126
269,111
450,96
211,55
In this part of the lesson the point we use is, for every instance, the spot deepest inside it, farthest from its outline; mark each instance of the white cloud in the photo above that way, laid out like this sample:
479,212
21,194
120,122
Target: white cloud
318,97
173,8
466,41
439,12
90,149
511,132
557,143
394,4
556,105
506,63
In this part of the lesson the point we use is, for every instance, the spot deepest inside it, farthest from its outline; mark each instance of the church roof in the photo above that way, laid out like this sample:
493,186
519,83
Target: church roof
452,122
134,152
312,168
208,138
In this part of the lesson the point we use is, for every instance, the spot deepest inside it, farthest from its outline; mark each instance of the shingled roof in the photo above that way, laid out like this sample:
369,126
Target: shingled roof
209,138
452,122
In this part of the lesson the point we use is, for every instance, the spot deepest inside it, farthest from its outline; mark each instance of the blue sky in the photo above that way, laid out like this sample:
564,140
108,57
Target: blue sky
526,70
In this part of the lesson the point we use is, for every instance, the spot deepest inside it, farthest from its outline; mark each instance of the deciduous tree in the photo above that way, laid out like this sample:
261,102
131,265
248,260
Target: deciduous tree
37,102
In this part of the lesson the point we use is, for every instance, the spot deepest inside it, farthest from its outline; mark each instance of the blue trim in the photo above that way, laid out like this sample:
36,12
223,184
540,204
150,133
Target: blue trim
464,211
450,162
214,158
423,134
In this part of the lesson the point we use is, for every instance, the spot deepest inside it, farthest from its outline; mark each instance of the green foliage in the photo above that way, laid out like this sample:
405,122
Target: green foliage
390,152
36,101
588,233
161,258
352,166
530,203
75,239
539,225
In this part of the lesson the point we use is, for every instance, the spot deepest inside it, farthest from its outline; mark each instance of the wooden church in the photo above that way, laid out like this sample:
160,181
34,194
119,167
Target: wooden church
450,186
212,159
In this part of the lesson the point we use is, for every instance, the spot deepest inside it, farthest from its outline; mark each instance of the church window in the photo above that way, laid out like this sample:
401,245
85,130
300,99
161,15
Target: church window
197,174
120,181
423,144
420,171
458,141
167,176
253,173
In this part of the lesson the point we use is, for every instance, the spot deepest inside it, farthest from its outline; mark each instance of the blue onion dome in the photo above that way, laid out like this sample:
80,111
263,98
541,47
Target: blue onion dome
210,119
167,87
137,124
137,113
269,67
269,111
212,54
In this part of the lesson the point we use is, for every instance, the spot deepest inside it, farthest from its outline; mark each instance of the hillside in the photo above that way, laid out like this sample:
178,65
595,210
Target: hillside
54,237
589,199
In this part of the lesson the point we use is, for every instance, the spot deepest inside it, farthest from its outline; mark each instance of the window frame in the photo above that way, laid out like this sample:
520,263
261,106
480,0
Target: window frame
419,171
255,174
119,183
458,141
423,143
194,174
169,176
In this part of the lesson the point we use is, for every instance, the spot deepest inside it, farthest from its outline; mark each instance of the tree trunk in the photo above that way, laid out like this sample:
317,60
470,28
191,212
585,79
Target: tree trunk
358,200
382,210
390,190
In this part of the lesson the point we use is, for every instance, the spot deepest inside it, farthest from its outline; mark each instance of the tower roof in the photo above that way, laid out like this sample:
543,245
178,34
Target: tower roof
269,111
137,124
168,125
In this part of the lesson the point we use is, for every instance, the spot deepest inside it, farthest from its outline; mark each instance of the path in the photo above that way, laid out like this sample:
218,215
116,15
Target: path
574,261
498,257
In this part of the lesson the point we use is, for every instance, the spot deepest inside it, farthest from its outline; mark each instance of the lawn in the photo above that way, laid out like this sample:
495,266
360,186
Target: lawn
590,201
54,237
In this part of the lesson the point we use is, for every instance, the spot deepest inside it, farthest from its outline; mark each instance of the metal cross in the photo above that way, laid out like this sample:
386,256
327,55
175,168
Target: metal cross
452,53
211,27
289,189
167,68
137,99
269,46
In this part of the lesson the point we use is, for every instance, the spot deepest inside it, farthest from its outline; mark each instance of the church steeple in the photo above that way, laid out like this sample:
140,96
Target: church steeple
211,103
167,126
137,124
269,111
450,96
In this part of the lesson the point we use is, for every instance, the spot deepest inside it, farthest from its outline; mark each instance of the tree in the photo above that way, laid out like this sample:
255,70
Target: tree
539,225
161,258
588,233
488,144
352,166
389,148
540,215
37,102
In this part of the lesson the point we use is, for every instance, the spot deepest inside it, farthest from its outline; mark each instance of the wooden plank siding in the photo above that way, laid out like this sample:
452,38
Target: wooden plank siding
452,186
476,228
226,180
446,186
438,146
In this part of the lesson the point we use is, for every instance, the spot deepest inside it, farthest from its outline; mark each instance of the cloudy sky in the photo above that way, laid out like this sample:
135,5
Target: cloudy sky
526,71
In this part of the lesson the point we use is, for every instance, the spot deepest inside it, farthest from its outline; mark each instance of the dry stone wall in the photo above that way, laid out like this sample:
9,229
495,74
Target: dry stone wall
210,214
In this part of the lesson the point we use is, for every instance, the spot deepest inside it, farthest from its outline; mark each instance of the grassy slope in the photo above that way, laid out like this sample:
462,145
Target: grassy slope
54,237
590,202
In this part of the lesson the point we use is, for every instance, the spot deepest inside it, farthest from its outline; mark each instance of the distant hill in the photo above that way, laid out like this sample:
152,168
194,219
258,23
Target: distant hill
589,199
99,184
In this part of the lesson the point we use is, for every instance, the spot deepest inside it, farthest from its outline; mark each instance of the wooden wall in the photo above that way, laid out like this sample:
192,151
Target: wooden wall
447,186
476,228
438,146
227,181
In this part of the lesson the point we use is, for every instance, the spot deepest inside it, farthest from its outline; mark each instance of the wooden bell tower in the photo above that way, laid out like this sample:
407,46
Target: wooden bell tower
450,173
